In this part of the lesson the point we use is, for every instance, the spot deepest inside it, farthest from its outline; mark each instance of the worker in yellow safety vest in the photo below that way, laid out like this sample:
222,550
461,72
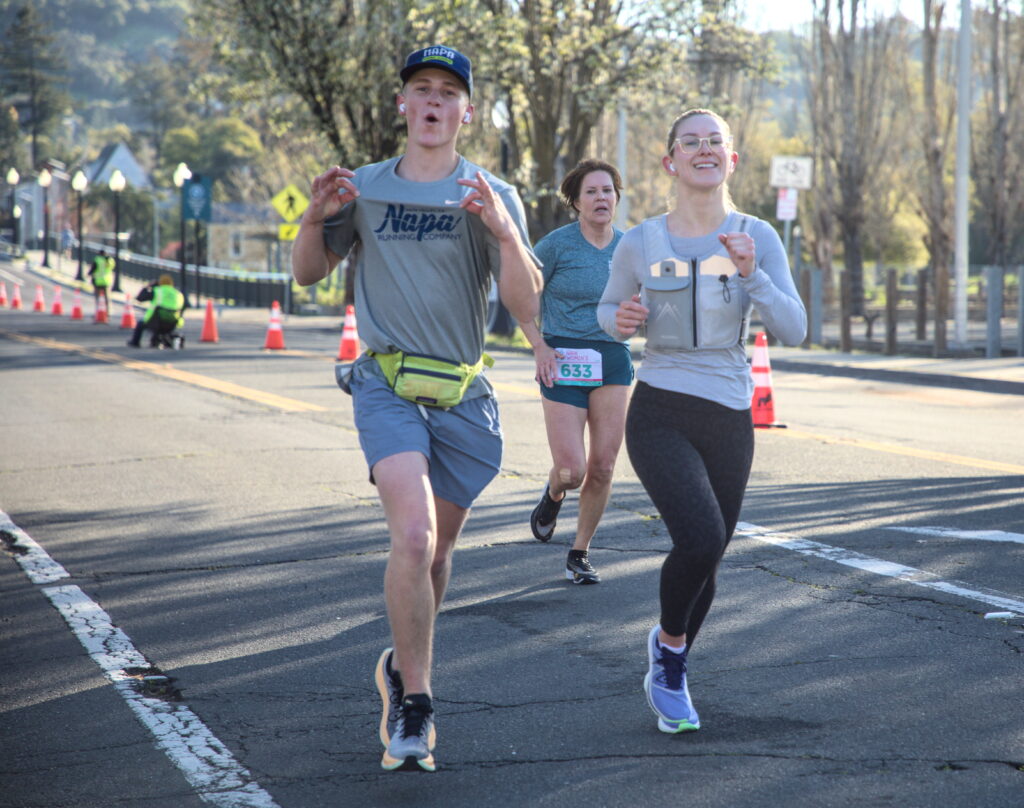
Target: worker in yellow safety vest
163,315
101,273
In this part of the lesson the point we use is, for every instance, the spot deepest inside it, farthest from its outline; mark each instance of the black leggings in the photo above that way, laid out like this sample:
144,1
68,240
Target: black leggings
693,457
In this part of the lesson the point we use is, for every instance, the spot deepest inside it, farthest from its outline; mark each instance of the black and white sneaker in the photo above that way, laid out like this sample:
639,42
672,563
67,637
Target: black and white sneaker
579,570
544,516
412,744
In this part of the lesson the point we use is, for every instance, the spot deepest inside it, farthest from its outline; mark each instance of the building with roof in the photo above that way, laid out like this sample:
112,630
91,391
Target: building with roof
116,156
243,236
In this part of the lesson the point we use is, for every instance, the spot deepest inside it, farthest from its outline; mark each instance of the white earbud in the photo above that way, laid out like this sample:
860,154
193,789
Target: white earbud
467,117
401,107
672,167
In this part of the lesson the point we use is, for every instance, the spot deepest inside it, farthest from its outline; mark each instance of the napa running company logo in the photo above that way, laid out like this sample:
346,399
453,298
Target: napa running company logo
439,55
401,224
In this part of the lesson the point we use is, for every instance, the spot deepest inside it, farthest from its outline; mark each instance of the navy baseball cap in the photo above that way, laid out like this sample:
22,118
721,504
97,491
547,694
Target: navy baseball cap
443,58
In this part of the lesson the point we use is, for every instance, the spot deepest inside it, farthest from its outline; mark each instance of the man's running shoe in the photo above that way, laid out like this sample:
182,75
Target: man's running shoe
412,744
389,685
542,520
665,686
579,570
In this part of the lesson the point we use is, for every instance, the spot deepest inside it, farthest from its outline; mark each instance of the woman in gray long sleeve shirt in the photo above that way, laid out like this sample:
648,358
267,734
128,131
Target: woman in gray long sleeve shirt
691,277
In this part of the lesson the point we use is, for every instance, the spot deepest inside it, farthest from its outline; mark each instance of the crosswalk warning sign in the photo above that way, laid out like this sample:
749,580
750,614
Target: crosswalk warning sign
287,232
290,203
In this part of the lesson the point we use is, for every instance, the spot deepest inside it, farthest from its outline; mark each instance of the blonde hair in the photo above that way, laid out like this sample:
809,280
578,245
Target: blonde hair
726,131
165,280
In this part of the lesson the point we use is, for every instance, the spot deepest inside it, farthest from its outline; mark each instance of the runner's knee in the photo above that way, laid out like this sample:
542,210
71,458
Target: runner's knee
413,547
571,477
601,471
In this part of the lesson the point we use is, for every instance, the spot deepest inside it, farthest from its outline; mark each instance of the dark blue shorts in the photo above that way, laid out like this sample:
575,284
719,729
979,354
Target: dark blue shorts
616,363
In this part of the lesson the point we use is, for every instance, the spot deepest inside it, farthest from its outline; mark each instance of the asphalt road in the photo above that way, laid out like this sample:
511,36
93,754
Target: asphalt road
212,514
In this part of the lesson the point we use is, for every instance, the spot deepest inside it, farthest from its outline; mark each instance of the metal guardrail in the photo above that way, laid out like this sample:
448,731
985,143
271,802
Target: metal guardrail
231,287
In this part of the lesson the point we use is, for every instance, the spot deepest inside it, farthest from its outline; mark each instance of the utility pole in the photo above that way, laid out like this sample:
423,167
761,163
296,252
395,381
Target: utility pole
963,152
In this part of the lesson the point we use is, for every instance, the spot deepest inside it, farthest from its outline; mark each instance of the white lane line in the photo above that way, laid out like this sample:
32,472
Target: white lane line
880,567
954,533
219,779
34,560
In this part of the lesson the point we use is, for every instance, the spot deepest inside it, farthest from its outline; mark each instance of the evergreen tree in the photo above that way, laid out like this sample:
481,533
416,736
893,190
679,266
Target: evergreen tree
32,76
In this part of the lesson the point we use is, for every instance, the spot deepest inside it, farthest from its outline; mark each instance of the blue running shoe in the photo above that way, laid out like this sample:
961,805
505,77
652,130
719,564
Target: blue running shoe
665,686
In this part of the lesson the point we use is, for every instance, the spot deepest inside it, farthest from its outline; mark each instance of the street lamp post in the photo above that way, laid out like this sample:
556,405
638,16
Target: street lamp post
182,173
44,180
79,183
117,184
13,177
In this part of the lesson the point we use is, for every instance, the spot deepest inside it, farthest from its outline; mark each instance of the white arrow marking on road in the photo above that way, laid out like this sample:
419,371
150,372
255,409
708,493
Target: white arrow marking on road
953,533
207,764
879,567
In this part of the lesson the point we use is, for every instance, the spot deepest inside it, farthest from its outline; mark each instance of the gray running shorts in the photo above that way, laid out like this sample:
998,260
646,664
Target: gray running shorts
462,444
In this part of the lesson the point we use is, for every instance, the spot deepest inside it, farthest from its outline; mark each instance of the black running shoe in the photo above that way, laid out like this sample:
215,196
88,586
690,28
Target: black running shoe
544,516
579,570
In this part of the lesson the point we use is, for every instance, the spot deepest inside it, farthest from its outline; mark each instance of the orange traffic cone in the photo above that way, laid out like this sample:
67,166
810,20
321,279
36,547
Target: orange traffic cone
3,293
349,347
762,405
101,312
58,304
210,325
275,336
76,306
128,315
16,297
39,304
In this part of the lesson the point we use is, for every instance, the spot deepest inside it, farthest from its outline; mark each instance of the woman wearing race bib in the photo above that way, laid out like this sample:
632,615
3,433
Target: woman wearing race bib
691,277
584,375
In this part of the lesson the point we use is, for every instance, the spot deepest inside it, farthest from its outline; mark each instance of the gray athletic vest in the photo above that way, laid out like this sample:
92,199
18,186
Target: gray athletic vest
694,303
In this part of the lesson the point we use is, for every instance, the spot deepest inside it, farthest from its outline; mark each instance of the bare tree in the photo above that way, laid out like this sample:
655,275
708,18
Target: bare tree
998,153
852,75
934,196
341,57
559,65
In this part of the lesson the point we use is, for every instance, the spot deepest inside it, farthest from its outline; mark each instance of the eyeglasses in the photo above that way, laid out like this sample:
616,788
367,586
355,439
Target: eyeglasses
691,144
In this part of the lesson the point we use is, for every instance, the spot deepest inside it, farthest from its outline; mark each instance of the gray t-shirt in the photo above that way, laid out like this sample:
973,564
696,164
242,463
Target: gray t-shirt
719,374
423,264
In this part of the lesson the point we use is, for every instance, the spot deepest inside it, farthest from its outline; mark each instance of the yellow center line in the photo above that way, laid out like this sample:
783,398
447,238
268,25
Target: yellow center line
906,451
294,405
874,446
170,372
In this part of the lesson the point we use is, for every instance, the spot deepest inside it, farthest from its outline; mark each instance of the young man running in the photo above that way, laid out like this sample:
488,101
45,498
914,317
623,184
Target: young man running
431,229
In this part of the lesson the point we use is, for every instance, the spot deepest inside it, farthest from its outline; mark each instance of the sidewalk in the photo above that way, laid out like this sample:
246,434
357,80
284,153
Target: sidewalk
972,372
1001,375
